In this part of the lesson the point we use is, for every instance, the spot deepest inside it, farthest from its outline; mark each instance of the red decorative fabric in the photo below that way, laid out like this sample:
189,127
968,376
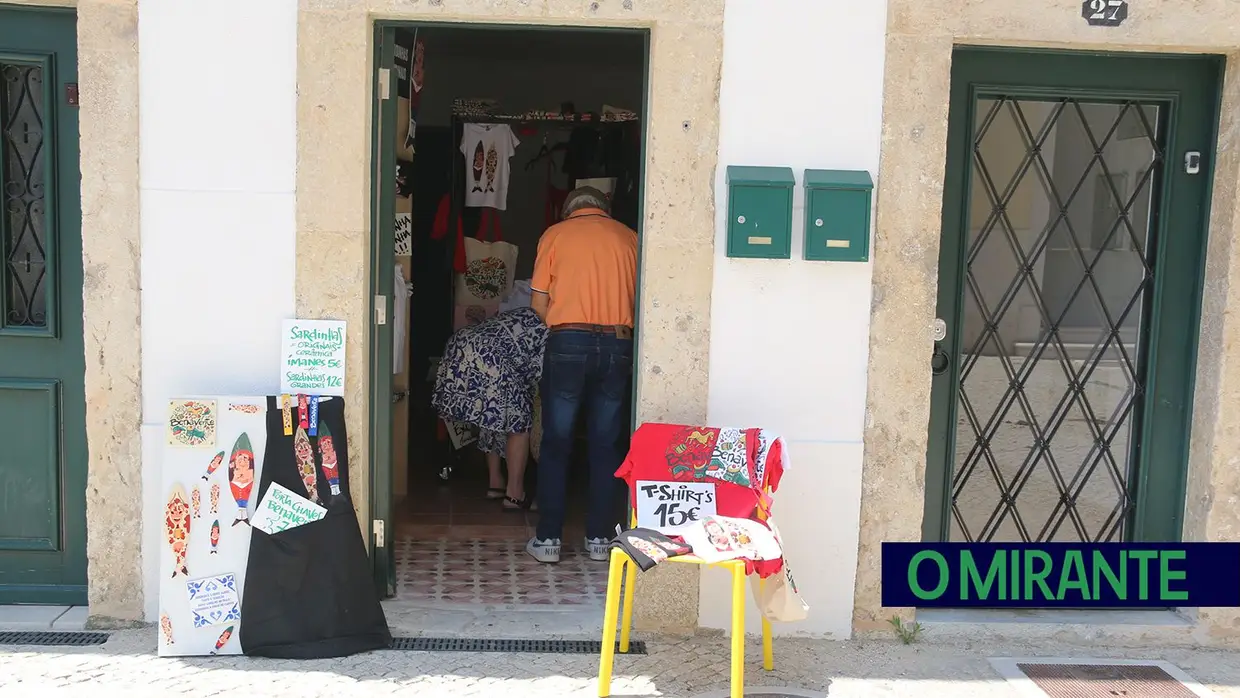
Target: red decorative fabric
680,453
488,231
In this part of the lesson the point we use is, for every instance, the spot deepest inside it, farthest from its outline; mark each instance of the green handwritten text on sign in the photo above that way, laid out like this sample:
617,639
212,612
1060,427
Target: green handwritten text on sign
312,357
282,509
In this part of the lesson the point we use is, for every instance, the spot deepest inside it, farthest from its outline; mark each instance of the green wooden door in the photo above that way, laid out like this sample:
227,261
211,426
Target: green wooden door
382,264
1074,215
42,369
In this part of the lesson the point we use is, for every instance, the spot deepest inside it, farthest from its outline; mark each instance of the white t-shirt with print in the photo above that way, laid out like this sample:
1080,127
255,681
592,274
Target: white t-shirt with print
487,148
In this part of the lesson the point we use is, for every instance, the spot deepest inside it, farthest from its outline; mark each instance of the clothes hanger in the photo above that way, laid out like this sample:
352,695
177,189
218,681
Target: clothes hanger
545,152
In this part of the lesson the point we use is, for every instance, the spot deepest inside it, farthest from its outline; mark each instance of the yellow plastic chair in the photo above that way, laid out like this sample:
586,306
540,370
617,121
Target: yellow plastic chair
621,566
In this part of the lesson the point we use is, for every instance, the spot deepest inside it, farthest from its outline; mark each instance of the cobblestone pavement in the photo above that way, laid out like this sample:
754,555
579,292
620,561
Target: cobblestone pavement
677,667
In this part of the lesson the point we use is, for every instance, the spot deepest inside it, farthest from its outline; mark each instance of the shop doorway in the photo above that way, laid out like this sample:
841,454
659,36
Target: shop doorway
572,100
1075,208
42,393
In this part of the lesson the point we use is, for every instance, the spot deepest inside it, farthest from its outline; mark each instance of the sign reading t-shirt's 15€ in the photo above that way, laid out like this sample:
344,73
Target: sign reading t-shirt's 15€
665,506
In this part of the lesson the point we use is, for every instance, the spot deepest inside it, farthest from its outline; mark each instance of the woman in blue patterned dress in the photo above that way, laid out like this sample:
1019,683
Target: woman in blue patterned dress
487,378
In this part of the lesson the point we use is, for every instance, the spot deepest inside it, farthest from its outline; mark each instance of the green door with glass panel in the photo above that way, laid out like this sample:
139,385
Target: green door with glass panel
42,367
1074,216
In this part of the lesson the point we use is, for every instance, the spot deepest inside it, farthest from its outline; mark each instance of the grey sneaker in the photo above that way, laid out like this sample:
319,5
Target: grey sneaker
544,550
598,549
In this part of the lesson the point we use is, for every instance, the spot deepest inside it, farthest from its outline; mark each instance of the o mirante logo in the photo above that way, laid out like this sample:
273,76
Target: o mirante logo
1060,575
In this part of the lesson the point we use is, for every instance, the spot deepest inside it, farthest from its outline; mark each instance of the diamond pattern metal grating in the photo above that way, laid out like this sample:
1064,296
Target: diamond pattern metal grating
1103,429
47,638
440,644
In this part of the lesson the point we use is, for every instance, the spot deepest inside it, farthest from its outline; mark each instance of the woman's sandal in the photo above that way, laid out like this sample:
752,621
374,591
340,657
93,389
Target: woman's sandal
514,504
496,492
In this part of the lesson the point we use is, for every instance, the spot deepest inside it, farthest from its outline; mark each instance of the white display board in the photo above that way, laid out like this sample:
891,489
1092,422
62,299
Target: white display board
312,356
207,497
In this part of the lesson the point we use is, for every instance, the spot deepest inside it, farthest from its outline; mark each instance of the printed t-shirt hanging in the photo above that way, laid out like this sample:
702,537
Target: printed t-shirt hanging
487,149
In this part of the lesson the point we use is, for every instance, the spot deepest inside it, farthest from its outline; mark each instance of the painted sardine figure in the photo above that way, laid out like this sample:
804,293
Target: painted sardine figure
176,528
329,459
215,537
241,476
479,159
215,463
304,455
224,638
165,625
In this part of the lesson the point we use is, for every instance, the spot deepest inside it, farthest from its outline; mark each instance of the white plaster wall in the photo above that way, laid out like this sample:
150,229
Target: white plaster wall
218,166
801,87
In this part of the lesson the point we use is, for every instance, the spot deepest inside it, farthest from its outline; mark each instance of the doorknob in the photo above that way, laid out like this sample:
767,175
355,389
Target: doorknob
939,360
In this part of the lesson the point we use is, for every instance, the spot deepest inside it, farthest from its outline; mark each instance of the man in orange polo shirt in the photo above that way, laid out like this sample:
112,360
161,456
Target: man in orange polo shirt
585,279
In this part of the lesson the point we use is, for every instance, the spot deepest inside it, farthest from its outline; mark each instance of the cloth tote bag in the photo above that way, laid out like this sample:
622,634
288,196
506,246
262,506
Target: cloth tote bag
777,596
490,268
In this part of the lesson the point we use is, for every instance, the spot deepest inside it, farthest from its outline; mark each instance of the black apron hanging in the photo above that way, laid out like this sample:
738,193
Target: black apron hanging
309,591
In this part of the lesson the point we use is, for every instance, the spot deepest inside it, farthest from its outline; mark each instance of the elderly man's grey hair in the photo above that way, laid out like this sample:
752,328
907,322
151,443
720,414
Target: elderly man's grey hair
585,197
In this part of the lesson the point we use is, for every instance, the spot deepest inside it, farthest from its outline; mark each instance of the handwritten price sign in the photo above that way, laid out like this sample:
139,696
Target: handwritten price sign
668,505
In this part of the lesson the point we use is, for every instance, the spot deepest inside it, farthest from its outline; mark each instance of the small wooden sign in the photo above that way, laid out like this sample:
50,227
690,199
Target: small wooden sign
1104,13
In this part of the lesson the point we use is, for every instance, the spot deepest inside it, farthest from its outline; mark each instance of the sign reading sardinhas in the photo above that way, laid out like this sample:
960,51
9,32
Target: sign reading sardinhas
1060,575
668,505
312,357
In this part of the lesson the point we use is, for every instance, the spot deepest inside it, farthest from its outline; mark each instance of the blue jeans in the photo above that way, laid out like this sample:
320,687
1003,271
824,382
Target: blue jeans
591,370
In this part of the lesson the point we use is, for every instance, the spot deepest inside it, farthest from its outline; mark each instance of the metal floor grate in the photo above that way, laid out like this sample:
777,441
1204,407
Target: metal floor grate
1105,680
47,638
443,644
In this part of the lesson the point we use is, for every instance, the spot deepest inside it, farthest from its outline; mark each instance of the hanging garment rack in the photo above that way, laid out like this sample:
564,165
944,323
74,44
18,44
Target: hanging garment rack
544,119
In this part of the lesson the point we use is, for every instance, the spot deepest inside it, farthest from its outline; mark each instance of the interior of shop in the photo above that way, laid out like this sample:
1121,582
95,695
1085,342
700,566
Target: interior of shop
571,100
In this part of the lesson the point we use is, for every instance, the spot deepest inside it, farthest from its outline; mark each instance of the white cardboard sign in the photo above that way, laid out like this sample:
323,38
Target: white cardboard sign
664,506
282,509
312,357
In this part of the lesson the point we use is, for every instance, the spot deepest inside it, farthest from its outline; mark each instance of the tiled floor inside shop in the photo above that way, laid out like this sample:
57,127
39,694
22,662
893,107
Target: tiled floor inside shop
454,546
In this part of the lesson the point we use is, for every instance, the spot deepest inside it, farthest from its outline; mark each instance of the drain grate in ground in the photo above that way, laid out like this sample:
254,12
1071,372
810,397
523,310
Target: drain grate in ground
1101,678
451,644
47,638
1073,680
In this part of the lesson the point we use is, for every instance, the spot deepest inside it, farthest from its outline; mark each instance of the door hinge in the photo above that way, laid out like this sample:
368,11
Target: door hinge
378,526
380,310
385,83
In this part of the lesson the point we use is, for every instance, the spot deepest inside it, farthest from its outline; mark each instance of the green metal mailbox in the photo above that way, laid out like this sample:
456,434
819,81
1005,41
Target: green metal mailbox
760,212
837,215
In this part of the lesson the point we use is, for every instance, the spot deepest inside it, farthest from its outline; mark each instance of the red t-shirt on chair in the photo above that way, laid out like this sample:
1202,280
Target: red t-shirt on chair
743,464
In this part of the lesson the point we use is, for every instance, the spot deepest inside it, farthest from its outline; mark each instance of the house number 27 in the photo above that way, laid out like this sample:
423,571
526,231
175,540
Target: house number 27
1105,13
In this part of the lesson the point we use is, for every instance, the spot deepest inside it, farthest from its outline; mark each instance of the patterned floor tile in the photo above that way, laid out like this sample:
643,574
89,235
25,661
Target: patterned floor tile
493,571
